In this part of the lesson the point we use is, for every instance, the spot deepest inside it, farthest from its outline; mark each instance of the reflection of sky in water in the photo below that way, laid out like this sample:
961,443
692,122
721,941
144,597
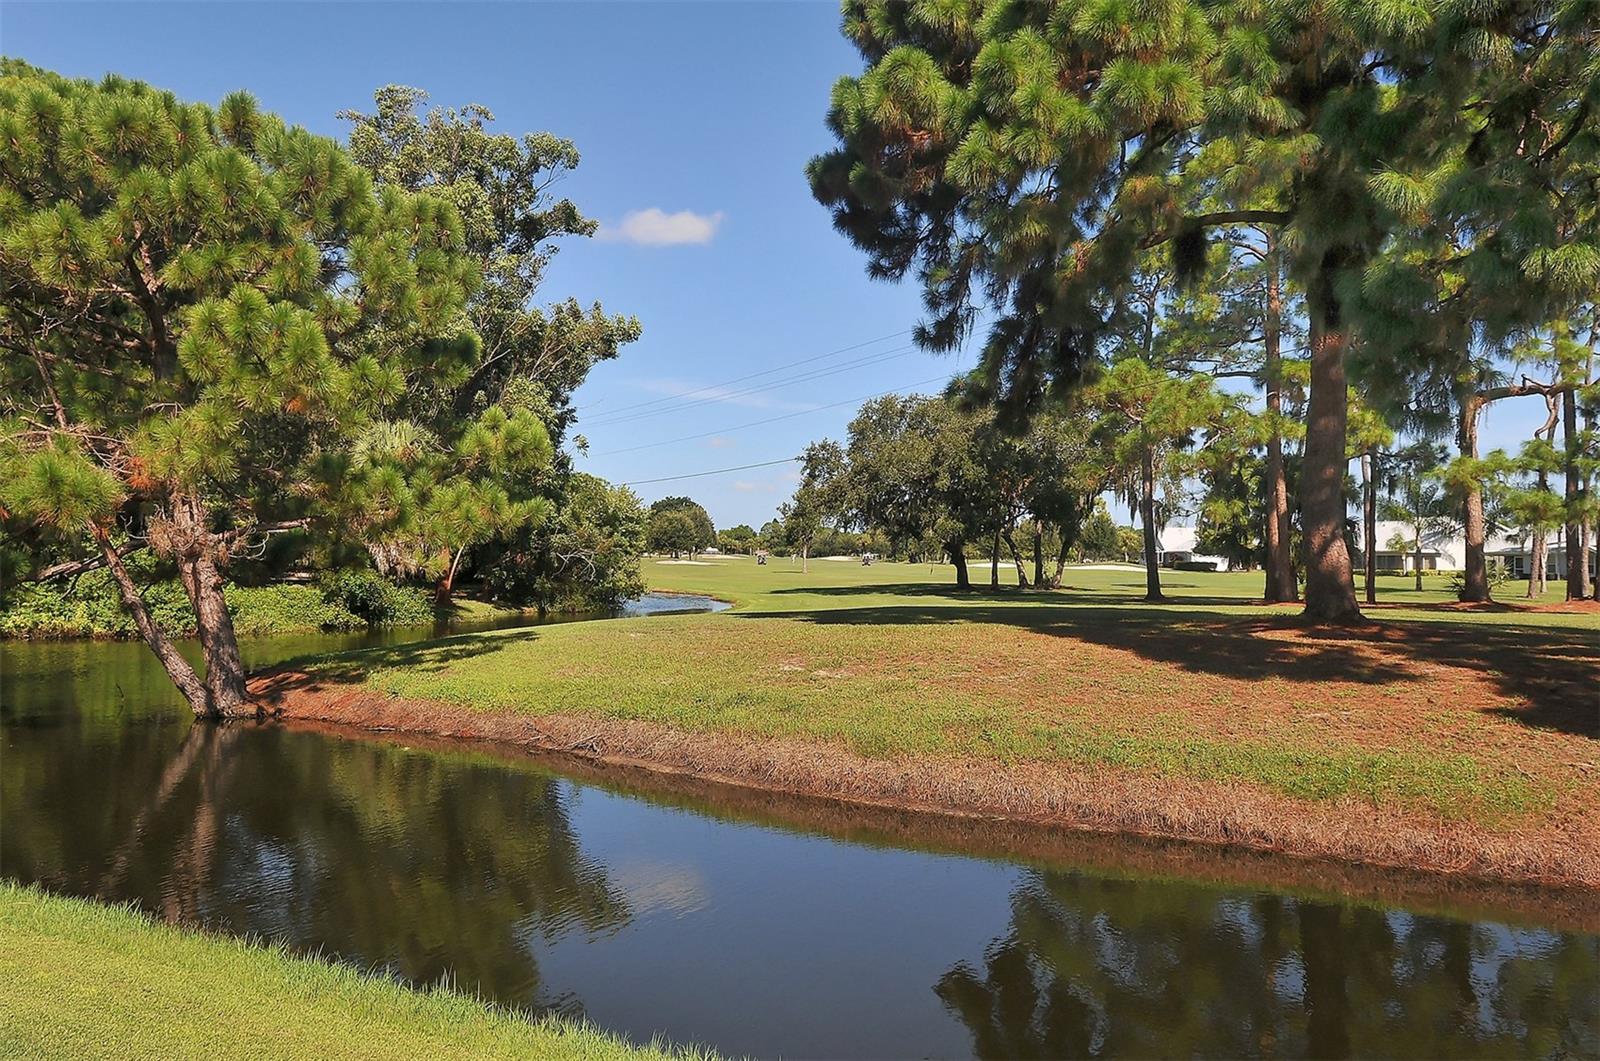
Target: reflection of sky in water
651,918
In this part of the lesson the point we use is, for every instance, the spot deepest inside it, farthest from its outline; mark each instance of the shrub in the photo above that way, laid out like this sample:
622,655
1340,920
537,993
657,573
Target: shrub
376,600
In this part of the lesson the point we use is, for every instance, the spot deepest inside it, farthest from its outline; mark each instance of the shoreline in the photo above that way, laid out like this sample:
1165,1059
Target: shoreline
1026,795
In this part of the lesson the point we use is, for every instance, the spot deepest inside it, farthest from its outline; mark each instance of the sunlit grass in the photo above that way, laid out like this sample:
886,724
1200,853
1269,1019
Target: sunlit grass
887,662
83,980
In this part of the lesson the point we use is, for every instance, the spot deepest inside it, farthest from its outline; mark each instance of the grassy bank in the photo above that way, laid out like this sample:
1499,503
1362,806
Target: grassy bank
89,981
1456,738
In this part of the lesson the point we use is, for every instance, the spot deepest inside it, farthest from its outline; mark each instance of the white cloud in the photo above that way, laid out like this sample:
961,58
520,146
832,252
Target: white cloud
657,228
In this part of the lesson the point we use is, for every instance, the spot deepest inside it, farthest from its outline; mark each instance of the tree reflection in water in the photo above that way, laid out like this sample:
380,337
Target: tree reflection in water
426,864
1098,967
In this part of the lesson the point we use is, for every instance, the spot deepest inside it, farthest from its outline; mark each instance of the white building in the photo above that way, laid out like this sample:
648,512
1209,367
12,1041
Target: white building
1177,545
1396,553
1517,556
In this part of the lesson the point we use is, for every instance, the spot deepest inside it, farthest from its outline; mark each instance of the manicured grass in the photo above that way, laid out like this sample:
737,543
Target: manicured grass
84,980
1476,716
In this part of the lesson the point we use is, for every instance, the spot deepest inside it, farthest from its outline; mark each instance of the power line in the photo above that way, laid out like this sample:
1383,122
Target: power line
716,471
769,420
756,375
612,419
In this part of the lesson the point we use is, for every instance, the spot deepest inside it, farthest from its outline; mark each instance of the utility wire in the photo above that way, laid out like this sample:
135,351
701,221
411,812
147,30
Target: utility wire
770,419
756,375
716,471
878,358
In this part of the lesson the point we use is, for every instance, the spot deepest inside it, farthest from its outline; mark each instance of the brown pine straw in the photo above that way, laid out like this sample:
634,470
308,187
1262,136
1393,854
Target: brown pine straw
1562,855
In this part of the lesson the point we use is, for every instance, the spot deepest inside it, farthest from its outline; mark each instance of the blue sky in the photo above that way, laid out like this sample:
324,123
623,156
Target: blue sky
695,121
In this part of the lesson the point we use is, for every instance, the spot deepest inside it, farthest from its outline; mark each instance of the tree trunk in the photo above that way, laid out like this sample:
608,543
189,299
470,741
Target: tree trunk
1061,560
198,552
1016,558
1537,558
1416,559
994,556
1577,573
1475,587
1038,554
1369,521
1281,584
958,557
805,558
1147,516
1330,590
172,661
444,589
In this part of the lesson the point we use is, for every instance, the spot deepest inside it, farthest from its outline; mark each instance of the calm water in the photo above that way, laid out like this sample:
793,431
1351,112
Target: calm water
661,914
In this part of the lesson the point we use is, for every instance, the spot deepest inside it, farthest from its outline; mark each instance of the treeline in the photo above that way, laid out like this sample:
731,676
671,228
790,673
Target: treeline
233,348
1384,208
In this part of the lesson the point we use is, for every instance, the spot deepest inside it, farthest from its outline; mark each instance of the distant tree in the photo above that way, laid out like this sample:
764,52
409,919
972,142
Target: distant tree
203,310
1100,539
771,537
674,531
705,534
1130,544
740,539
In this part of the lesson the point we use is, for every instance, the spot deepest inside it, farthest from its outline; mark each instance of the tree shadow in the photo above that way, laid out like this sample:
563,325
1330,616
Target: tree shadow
303,673
1553,670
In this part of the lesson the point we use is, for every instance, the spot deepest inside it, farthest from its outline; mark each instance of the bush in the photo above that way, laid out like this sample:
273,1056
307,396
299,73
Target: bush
90,606
376,600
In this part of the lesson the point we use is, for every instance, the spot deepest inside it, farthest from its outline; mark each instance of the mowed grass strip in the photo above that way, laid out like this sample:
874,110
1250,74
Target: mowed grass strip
887,662
83,980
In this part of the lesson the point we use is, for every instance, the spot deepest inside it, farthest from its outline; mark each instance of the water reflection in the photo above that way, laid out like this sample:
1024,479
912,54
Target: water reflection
654,911
378,855
1108,968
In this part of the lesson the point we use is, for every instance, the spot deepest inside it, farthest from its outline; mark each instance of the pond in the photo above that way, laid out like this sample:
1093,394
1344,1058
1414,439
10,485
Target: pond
652,908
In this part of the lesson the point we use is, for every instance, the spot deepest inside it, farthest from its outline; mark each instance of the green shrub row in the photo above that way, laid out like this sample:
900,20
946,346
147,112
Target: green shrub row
90,607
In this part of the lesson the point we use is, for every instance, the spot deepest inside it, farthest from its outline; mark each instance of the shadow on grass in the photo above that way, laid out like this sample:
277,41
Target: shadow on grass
270,686
1553,670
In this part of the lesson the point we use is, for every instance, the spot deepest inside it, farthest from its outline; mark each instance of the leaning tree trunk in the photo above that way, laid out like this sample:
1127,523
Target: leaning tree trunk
958,558
1577,573
1369,521
1281,584
1330,590
1475,586
1016,558
172,661
198,552
1147,516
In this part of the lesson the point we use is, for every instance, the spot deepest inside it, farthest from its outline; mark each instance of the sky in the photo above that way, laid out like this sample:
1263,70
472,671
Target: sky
761,330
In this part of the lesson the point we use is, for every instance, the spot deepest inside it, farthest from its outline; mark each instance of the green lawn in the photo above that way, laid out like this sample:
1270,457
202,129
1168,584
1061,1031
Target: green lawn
1475,715
780,584
83,980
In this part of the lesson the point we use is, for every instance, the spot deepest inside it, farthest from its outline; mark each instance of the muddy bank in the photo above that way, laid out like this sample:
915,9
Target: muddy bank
1030,798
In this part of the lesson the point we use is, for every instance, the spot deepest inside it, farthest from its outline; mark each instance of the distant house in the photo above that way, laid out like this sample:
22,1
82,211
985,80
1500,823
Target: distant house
1176,546
1517,556
1448,552
1440,552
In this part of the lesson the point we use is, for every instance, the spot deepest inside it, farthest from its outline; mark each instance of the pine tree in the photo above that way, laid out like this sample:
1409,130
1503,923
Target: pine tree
199,306
1019,157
